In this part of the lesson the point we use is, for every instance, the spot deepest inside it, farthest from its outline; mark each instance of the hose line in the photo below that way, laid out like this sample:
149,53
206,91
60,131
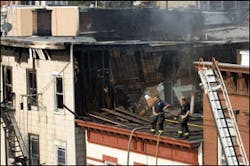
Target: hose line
157,149
130,138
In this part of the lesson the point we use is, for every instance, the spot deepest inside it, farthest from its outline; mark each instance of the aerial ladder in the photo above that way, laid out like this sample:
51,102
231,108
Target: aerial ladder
223,114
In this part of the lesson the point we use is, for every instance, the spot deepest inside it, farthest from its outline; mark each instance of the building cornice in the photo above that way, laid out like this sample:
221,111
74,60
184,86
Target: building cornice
137,134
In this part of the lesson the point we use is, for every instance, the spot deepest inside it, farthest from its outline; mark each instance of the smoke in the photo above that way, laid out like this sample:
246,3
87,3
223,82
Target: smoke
156,24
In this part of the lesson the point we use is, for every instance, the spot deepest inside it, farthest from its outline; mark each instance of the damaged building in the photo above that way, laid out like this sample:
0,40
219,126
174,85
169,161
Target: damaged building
80,98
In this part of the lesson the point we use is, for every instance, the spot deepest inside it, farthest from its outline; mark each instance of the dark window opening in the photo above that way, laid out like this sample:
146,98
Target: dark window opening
7,83
61,156
59,92
31,87
34,149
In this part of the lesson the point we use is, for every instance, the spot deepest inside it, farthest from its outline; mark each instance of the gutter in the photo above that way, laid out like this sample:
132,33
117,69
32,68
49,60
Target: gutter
31,44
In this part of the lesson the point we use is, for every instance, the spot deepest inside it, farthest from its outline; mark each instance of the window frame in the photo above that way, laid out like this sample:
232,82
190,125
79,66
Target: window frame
57,154
31,138
58,93
60,144
7,85
30,89
57,109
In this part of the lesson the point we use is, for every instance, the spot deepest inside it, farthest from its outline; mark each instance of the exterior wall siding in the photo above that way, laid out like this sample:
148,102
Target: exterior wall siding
96,153
141,151
61,17
43,120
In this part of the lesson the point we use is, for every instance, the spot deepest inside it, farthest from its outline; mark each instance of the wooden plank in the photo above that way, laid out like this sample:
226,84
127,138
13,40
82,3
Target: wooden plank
107,120
132,114
122,115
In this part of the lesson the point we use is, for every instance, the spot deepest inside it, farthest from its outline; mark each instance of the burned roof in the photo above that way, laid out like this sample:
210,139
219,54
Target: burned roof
60,42
226,67
121,119
46,42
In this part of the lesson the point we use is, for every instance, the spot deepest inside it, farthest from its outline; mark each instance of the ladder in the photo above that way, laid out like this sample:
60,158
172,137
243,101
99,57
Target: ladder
15,141
223,114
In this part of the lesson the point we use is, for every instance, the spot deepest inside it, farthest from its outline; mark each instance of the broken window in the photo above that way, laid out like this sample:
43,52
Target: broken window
31,88
7,82
59,92
34,149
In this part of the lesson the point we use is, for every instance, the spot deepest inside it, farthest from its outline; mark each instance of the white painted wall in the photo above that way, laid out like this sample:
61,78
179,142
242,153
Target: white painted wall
96,151
50,126
2,150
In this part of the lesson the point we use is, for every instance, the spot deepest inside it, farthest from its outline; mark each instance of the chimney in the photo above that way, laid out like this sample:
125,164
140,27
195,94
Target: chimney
42,22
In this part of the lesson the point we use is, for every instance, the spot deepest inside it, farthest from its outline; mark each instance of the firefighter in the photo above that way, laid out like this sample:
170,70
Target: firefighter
184,118
158,114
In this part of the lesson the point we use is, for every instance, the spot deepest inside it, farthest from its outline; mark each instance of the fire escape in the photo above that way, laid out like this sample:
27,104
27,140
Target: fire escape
15,144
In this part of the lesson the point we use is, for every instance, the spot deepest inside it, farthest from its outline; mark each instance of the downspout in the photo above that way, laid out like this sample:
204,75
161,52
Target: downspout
73,100
1,101
130,138
6,146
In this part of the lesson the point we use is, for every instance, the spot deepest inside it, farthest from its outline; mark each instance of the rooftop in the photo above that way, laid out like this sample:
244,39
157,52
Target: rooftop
58,42
119,119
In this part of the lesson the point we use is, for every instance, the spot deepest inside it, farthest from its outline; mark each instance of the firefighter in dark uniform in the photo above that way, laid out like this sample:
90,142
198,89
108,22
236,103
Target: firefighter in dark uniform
158,114
184,118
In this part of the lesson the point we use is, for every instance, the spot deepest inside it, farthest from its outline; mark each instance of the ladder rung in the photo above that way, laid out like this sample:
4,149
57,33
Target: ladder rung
227,127
21,156
220,118
218,100
229,136
232,156
235,155
213,82
223,109
213,91
15,146
210,74
231,146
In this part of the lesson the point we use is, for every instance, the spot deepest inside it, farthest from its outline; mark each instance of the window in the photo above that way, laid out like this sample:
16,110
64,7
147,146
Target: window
31,87
7,82
59,92
60,147
109,160
34,149
61,156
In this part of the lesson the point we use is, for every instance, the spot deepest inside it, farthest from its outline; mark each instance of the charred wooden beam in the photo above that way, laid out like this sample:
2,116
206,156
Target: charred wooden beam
132,114
123,116
107,120
237,68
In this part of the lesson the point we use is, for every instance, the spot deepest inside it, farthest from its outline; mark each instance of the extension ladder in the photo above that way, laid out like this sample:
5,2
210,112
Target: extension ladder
228,132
